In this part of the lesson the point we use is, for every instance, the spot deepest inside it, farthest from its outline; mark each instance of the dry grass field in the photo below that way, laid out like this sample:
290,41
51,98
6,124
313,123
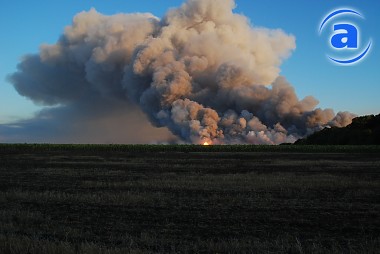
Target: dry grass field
189,199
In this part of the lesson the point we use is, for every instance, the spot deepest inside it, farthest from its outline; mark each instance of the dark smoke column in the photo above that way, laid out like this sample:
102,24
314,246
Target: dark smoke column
202,71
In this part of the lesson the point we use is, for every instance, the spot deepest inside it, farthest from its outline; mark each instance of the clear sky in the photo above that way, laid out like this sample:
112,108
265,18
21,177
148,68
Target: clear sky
24,25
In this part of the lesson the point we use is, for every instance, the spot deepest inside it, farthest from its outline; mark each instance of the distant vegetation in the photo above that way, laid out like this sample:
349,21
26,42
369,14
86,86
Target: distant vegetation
100,149
364,130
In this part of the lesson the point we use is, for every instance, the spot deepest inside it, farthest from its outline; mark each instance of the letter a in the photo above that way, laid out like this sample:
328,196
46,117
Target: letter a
351,33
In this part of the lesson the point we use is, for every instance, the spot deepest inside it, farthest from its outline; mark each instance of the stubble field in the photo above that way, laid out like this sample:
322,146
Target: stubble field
189,199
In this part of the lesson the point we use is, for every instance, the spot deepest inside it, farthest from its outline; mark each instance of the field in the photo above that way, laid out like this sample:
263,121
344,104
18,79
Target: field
189,199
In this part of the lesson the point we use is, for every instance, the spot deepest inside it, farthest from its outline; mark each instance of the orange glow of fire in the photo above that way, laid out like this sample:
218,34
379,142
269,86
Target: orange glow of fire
206,143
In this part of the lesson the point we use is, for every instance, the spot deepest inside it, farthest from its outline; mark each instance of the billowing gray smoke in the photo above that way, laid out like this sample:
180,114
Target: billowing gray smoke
201,71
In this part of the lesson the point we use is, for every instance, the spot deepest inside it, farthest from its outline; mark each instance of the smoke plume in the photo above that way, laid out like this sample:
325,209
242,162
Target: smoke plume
201,71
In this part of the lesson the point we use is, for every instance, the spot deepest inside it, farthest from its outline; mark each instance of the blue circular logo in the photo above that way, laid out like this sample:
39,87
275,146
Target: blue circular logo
345,37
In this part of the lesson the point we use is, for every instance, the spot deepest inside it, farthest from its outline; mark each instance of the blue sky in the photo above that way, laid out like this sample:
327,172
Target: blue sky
25,25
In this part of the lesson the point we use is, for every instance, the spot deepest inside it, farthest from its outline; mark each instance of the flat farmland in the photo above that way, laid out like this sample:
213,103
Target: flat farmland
189,199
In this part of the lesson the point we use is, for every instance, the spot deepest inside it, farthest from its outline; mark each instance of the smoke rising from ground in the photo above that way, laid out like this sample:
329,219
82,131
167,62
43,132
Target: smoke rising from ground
202,71
91,125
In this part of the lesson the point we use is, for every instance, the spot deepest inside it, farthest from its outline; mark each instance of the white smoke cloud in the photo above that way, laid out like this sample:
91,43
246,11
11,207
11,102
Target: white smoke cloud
202,71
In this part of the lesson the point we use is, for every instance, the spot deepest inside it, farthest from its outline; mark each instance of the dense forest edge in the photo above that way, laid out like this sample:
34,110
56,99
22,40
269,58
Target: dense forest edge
364,130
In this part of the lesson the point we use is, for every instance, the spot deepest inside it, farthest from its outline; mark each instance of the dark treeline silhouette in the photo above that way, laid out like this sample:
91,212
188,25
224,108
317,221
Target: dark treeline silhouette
364,130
